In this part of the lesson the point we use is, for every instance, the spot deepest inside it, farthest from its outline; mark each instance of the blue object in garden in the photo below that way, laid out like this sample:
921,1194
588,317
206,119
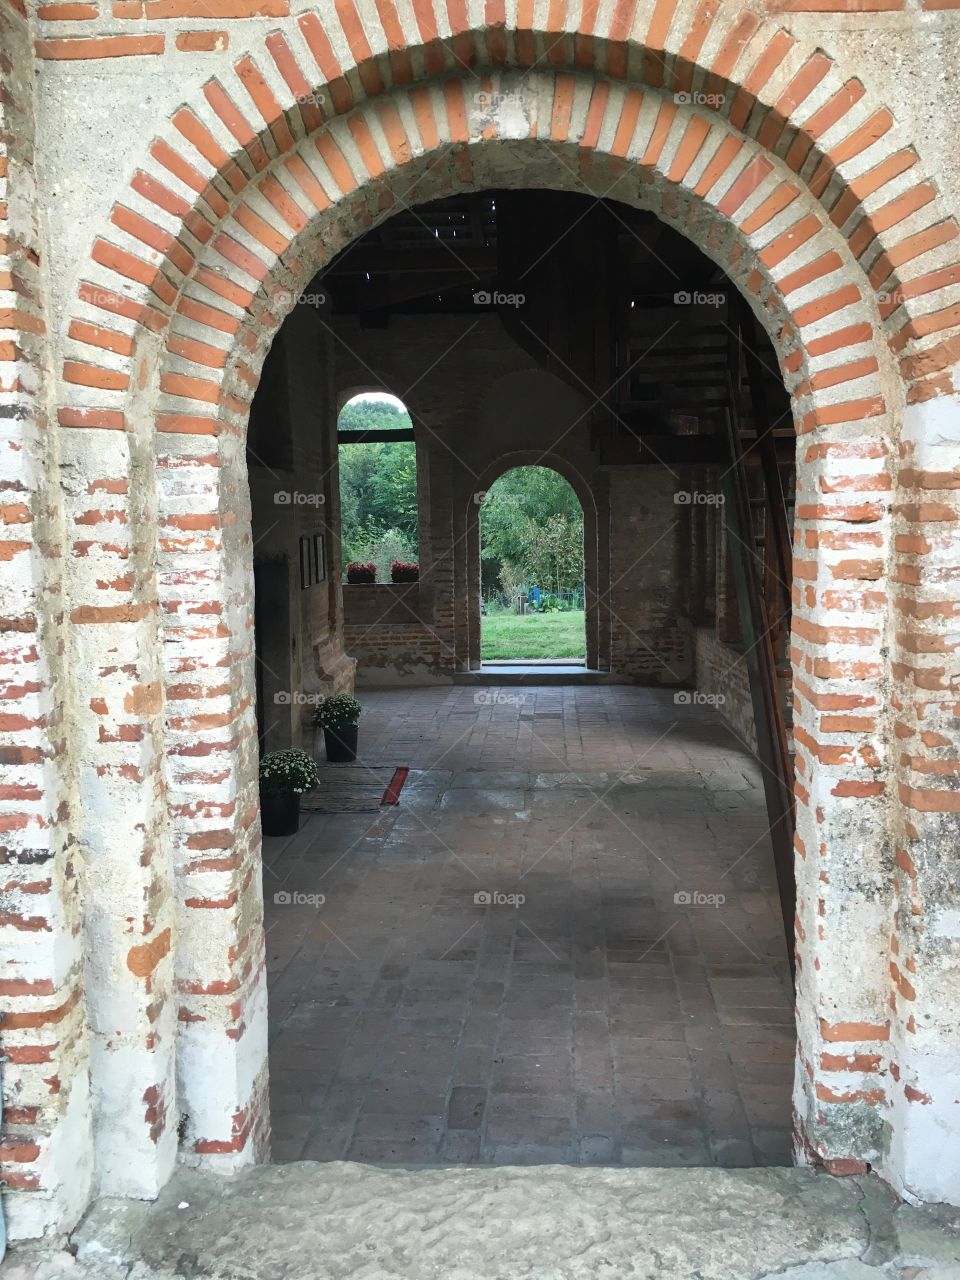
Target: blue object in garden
533,595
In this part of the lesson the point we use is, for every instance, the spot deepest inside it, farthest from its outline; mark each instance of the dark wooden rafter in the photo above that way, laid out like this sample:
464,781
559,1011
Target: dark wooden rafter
381,435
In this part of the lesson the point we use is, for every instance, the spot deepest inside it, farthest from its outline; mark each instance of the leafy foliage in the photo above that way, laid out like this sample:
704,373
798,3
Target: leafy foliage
531,531
365,413
378,487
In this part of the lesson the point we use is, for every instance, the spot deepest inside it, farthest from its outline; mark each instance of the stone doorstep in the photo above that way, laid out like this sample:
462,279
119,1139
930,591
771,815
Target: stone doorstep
339,1221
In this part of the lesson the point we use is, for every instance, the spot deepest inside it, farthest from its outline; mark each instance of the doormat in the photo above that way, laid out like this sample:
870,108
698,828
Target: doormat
346,789
392,793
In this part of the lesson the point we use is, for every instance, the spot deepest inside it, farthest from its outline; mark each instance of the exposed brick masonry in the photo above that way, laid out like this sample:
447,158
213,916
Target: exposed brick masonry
803,188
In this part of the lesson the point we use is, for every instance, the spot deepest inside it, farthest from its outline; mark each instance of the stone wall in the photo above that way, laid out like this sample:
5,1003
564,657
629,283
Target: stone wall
651,636
295,499
721,680
192,174
388,638
47,1147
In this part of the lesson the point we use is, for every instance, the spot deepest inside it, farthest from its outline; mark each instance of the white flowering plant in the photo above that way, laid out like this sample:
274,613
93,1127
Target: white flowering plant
290,770
337,711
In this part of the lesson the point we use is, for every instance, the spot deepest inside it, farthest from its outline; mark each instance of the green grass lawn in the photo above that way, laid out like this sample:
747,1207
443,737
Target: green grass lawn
532,635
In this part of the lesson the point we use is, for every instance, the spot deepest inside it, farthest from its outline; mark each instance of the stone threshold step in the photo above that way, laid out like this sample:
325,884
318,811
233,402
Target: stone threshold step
339,1220
508,673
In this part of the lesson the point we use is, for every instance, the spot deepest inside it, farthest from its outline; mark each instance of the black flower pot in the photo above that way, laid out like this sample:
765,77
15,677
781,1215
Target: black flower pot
341,744
280,813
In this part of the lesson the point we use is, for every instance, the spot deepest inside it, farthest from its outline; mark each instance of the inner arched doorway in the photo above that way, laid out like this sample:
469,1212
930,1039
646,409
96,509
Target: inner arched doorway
532,570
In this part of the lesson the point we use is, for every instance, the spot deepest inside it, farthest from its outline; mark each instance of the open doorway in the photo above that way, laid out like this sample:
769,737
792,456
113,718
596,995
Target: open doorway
532,570
564,943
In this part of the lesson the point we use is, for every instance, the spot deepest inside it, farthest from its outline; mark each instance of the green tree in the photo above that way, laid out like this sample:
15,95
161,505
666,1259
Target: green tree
364,413
554,553
378,486
531,529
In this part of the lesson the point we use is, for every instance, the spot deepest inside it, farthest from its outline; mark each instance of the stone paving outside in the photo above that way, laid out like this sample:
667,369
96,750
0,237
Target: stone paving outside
605,1018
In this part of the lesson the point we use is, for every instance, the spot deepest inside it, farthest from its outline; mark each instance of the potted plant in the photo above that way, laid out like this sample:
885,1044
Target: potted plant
338,716
361,571
404,571
284,776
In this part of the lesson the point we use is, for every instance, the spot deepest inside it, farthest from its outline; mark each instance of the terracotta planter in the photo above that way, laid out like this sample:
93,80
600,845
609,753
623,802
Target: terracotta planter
280,813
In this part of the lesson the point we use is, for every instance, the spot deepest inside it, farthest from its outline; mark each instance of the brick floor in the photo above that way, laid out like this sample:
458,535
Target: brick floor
424,1014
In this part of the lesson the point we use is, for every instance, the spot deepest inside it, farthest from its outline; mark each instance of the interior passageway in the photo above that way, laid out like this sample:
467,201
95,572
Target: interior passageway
563,945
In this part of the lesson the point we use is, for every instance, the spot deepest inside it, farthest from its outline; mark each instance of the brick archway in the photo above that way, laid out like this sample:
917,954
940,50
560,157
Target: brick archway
803,193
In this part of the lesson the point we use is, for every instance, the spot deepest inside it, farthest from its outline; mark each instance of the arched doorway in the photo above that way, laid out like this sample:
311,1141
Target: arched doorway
174,419
532,571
